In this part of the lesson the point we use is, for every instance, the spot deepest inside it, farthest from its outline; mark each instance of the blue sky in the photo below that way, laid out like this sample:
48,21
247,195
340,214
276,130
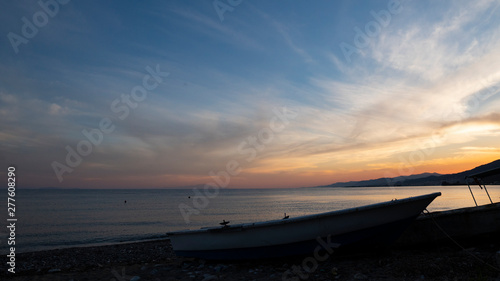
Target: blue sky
371,89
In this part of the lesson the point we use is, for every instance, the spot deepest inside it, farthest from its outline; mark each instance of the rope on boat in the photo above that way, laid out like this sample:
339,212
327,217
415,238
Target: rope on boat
458,244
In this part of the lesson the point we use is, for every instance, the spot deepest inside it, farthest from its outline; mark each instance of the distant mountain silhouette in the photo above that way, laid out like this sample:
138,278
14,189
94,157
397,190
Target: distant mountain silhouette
426,179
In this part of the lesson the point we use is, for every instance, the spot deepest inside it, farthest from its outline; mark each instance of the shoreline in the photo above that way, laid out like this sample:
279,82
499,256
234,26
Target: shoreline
91,256
155,260
97,244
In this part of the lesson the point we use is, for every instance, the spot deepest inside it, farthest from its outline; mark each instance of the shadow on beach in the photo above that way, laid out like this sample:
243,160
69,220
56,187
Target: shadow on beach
155,260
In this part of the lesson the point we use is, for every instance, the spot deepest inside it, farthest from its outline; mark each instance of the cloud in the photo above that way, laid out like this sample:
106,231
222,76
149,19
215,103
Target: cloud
422,75
483,149
431,50
430,77
55,109
285,33
212,27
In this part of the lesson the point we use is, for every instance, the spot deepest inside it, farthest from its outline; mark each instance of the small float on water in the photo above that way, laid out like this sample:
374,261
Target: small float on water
371,225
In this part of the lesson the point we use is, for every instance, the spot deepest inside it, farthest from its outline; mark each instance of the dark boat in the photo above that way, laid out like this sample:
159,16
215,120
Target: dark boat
374,225
470,225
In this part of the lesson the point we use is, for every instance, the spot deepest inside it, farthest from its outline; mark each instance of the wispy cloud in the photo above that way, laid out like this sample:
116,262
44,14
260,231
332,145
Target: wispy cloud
212,27
431,50
283,30
431,76
422,74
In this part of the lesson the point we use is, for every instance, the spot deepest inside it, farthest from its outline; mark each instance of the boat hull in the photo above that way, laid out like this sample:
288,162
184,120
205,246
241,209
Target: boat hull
469,224
372,225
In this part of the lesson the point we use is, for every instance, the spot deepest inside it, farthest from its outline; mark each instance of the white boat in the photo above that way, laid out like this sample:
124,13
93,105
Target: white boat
371,225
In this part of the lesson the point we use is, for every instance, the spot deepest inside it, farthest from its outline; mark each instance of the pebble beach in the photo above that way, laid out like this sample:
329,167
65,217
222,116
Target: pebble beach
155,260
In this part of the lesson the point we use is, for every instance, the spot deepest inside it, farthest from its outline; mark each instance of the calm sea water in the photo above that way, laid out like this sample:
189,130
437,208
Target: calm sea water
49,219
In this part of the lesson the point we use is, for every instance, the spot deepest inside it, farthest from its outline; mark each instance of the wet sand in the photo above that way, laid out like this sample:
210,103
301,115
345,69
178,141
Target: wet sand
155,260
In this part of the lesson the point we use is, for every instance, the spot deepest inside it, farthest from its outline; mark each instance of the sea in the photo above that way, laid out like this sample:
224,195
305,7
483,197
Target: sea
61,218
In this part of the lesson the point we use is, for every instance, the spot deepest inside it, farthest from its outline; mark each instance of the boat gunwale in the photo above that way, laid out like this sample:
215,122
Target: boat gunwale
461,211
229,228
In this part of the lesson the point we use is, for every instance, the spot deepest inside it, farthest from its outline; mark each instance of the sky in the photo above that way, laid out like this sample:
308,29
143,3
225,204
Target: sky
246,94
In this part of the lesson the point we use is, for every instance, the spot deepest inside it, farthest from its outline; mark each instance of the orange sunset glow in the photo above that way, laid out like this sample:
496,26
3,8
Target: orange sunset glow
263,100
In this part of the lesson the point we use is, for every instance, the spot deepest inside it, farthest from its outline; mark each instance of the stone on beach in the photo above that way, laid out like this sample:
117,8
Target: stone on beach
54,270
209,277
360,276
